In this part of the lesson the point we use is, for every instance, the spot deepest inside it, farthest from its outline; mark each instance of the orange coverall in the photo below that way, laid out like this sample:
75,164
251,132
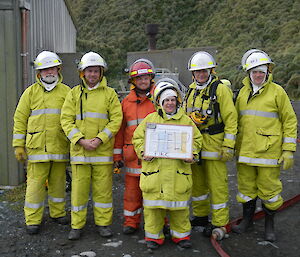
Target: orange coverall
135,109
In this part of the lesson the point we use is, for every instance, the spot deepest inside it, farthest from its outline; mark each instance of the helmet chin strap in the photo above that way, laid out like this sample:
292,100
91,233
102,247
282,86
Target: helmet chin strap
203,85
252,80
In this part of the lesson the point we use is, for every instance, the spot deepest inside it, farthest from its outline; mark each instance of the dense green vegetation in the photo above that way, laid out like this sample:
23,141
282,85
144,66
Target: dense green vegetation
115,27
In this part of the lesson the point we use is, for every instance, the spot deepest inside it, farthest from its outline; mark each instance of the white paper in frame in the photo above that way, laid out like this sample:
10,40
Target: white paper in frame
168,141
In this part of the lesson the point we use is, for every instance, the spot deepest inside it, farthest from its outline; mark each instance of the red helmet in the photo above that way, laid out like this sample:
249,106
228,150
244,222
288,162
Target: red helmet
141,67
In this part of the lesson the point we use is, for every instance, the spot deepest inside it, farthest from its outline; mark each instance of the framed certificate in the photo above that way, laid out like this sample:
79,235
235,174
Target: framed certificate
169,141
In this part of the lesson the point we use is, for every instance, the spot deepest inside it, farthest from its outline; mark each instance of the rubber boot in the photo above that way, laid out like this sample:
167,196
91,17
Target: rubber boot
207,231
105,231
74,234
127,230
269,225
247,221
199,221
32,229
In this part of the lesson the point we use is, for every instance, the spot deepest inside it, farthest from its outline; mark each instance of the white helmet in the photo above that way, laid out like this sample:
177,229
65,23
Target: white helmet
200,61
91,59
255,57
46,59
162,85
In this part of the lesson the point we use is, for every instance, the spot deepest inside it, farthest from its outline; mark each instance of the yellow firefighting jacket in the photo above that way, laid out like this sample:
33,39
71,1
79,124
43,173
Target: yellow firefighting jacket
267,124
166,183
37,123
198,100
88,114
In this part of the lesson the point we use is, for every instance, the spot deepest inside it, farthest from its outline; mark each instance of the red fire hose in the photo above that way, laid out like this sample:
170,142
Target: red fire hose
258,215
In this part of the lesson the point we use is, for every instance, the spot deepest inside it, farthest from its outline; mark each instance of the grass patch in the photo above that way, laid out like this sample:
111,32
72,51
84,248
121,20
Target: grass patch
16,196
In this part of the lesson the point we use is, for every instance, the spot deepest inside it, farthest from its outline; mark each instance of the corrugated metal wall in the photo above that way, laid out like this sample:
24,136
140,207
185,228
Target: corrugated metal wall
51,28
10,78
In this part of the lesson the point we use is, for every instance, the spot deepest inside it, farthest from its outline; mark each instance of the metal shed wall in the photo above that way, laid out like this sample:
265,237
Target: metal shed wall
174,59
50,27
10,69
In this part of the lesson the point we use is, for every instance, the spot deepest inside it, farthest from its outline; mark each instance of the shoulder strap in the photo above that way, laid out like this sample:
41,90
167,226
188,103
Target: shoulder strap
187,97
213,89
213,100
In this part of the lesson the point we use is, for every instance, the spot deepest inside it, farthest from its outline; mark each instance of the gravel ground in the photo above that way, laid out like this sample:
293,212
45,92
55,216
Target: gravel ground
52,240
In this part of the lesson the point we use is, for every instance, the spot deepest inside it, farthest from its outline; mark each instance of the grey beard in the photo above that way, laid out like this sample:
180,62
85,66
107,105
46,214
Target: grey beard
49,79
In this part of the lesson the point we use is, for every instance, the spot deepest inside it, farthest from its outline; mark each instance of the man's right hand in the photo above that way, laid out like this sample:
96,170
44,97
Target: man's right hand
87,144
20,154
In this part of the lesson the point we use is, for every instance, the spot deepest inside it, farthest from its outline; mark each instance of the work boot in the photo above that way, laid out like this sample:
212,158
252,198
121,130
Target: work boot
32,229
199,221
105,231
152,245
207,231
127,230
269,225
185,243
247,221
74,234
61,220
166,230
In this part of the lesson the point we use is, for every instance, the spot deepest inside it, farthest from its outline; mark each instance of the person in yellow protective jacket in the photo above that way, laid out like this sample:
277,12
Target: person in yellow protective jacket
267,132
91,116
209,103
166,184
38,137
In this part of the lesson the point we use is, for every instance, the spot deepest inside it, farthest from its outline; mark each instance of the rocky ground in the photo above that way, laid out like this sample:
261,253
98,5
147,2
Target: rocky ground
52,241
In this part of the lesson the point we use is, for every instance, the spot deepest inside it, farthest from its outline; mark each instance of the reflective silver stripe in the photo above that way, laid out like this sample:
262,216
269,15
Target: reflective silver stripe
154,236
210,154
56,200
38,157
134,122
79,208
229,136
19,136
34,205
168,204
73,132
289,140
118,151
258,160
259,113
91,159
132,213
103,205
218,206
178,234
95,115
272,200
245,197
107,132
133,170
200,198
45,111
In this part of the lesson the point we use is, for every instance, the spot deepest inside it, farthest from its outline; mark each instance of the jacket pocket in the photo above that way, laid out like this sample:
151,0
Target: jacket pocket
128,153
35,140
266,139
57,142
149,182
183,182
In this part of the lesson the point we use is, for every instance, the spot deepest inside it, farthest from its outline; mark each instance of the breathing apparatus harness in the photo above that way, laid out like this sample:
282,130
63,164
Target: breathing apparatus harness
212,110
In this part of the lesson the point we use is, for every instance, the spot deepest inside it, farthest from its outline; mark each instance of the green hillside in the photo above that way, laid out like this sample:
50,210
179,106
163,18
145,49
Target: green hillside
115,27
